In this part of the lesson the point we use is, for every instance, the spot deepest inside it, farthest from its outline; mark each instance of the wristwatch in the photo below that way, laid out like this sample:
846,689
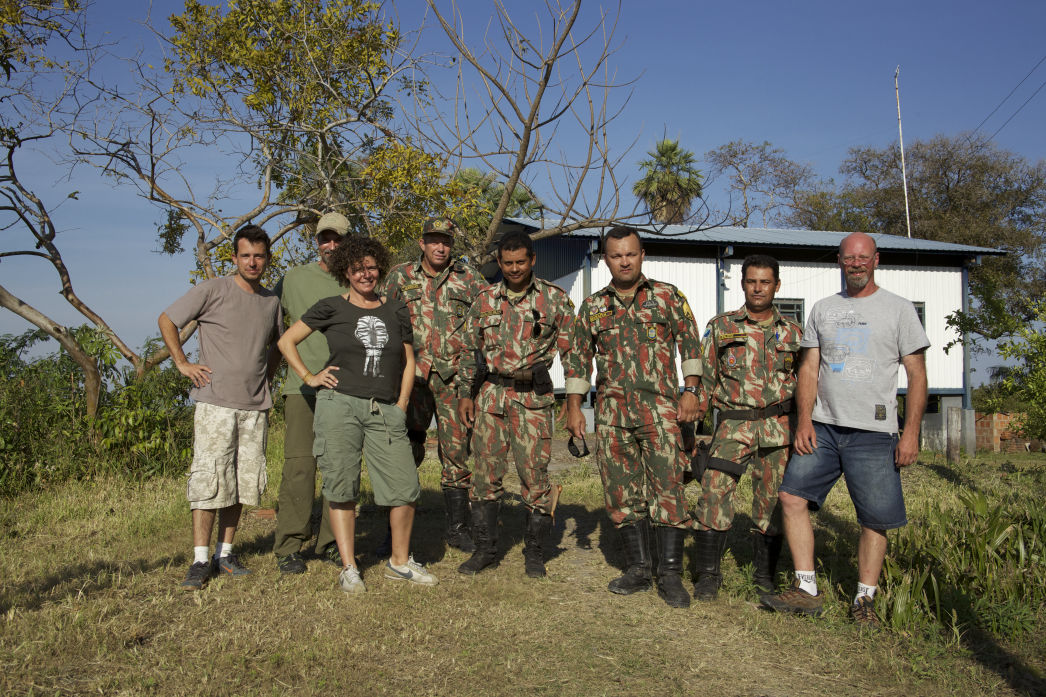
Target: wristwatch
693,389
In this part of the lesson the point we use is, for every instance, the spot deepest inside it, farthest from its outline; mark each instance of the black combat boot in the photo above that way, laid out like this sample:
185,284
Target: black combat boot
535,542
766,552
707,553
485,535
670,566
457,503
636,540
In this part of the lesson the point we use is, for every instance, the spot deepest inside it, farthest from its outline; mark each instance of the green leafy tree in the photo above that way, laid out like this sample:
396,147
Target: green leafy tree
1027,379
670,182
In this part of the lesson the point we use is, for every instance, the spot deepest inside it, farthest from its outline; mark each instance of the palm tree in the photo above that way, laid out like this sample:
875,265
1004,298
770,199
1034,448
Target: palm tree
670,182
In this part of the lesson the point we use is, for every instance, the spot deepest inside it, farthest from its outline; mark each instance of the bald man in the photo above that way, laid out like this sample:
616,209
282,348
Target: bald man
846,397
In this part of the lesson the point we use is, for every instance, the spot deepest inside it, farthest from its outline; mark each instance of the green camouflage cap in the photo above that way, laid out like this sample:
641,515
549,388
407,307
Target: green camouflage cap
442,226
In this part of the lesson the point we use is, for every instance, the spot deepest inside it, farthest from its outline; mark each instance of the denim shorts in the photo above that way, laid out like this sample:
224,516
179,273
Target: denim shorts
866,458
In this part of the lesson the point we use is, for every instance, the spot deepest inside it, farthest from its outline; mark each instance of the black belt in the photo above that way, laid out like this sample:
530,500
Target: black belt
785,407
510,381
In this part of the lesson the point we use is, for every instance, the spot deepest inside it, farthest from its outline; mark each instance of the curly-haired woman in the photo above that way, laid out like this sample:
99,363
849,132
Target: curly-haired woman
361,399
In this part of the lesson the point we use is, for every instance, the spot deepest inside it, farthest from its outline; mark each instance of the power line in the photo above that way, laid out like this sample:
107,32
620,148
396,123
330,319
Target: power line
999,105
1018,110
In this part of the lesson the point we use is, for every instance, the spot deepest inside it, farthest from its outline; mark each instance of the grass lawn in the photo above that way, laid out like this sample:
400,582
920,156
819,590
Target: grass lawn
90,605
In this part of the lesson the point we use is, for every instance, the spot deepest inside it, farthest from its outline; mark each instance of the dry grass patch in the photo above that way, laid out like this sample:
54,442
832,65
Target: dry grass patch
91,605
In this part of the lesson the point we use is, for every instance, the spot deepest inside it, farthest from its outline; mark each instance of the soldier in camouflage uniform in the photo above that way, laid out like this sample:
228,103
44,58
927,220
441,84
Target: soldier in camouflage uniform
633,328
749,364
517,325
438,291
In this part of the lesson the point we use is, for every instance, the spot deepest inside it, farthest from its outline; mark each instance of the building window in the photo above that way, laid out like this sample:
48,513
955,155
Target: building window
792,308
920,309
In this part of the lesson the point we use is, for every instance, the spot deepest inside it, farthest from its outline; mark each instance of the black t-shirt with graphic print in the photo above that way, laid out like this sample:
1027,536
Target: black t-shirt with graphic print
365,345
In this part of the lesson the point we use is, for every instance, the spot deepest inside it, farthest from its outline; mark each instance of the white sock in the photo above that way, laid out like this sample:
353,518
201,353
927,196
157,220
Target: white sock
223,549
865,590
807,581
201,553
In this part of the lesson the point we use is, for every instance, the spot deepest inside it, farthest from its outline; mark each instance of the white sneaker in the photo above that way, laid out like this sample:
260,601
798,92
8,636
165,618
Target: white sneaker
350,582
412,571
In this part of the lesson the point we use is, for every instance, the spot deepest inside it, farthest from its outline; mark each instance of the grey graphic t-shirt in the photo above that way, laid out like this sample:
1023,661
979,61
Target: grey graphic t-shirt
862,341
365,344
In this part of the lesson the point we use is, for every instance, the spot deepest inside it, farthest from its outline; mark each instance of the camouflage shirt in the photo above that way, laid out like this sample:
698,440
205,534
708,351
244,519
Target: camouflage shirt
634,342
515,334
746,365
438,306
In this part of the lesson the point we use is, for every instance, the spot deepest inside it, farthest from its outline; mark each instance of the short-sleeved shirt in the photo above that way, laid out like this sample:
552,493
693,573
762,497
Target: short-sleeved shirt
861,343
237,329
366,345
299,290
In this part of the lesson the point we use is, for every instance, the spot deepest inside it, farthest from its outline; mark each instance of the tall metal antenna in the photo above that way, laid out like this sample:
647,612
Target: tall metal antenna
900,136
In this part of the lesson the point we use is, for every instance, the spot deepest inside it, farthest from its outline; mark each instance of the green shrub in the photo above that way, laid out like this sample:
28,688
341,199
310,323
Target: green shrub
143,426
981,566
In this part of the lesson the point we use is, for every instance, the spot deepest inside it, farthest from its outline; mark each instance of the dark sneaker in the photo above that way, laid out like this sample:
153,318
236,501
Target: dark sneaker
863,612
795,600
199,574
229,566
291,564
412,571
331,555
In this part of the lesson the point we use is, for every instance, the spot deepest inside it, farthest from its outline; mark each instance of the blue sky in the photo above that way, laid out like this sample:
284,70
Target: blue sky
813,78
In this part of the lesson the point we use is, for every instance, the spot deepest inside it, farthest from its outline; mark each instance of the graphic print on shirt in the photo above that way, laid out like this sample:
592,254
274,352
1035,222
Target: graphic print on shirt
373,334
847,348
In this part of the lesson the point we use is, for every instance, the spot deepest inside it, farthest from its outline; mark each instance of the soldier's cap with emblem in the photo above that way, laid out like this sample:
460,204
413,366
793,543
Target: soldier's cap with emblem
333,221
440,226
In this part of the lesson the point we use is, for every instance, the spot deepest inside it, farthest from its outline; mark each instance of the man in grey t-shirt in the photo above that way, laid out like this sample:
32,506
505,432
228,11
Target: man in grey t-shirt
846,396
239,324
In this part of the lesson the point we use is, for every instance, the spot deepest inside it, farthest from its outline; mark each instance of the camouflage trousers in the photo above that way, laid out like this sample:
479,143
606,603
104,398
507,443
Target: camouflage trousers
439,398
521,436
765,465
642,471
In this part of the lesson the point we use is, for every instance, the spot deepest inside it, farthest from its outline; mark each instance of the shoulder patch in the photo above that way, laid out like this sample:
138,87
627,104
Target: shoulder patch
687,312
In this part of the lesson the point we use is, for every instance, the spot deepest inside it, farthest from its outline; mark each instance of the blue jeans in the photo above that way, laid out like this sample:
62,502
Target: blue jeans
866,458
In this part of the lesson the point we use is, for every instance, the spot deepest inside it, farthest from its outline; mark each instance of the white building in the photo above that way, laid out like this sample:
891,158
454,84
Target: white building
706,266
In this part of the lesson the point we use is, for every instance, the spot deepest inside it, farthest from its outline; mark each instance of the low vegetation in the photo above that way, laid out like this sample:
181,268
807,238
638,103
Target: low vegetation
90,603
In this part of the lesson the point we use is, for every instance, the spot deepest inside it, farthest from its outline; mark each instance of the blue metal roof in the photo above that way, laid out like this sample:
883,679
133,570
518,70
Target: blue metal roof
773,238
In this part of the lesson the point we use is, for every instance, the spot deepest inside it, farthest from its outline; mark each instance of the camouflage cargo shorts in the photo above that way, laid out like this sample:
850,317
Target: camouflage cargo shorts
228,465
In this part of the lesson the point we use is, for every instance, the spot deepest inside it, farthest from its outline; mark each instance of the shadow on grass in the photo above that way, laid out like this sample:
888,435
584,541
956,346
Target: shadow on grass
79,579
1021,677
945,472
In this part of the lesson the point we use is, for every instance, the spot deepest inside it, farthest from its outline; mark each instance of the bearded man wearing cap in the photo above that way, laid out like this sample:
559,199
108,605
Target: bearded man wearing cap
439,291
299,289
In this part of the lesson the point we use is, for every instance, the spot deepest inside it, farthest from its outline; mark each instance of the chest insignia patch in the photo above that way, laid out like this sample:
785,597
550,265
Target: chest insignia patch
649,304
490,313
410,286
596,316
651,333
789,361
731,337
731,360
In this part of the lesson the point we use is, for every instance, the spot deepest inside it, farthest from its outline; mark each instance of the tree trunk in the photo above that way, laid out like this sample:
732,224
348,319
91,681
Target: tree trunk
92,378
